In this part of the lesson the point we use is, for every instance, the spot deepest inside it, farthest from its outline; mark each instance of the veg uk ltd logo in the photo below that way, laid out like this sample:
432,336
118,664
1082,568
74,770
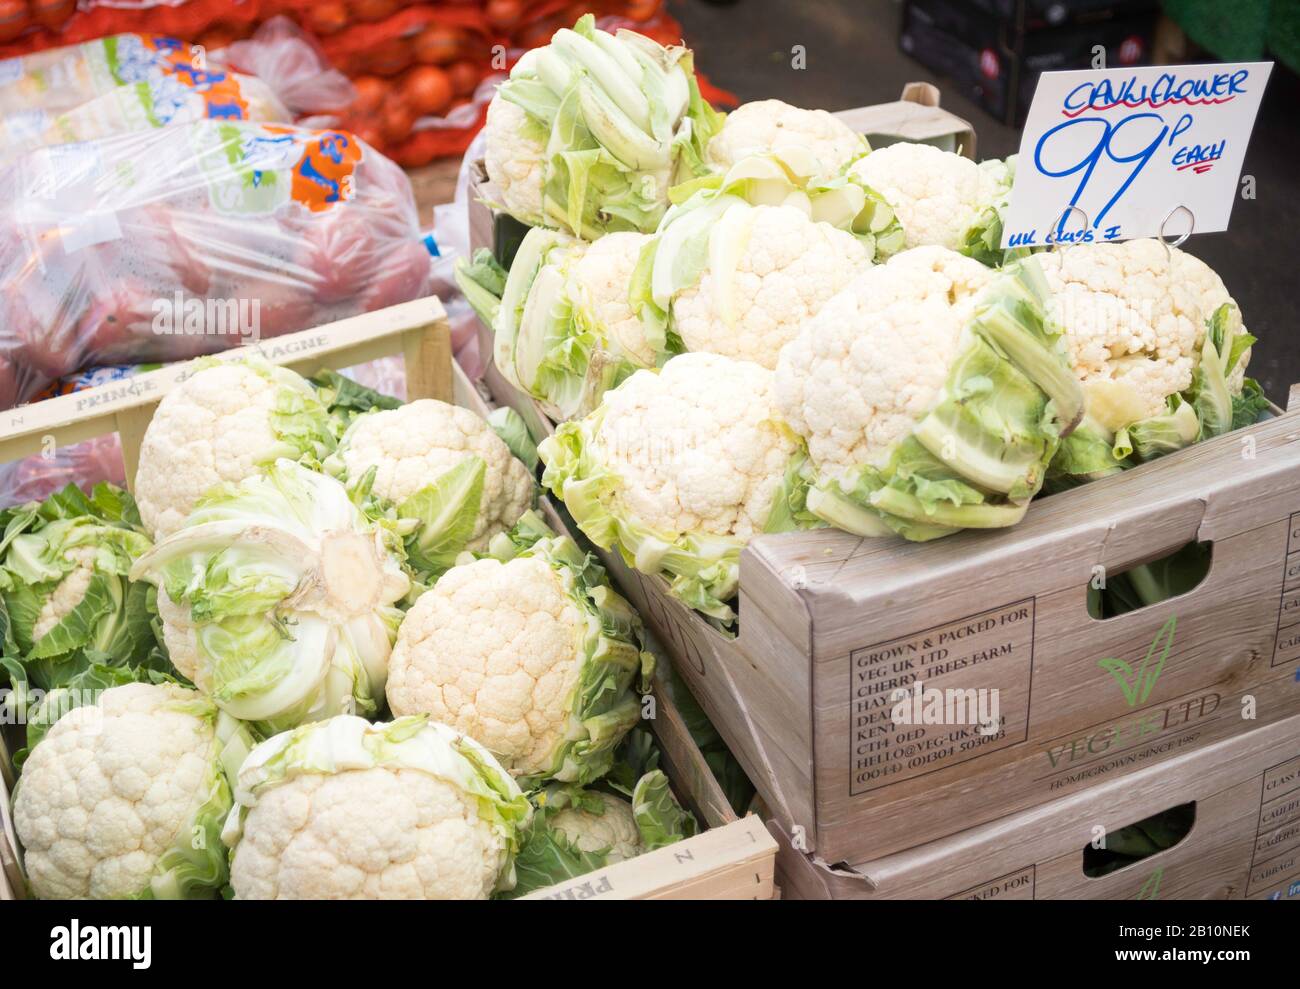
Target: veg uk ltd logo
75,943
922,705
1137,684
179,315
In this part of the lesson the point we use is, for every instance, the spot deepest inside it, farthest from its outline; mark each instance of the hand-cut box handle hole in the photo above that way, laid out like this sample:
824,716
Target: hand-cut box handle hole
1115,593
1129,845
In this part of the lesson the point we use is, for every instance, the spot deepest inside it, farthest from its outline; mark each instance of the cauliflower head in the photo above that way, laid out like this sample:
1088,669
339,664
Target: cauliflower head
69,592
697,446
565,328
220,426
600,126
772,126
613,827
783,268
679,469
125,797
345,809
875,359
286,550
413,446
932,395
1134,318
544,681
939,197
599,280
515,157
63,581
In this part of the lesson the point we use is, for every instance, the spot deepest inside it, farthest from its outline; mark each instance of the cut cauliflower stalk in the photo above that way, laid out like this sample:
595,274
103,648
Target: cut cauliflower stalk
765,126
221,425
931,394
545,680
679,470
413,446
278,598
126,797
345,809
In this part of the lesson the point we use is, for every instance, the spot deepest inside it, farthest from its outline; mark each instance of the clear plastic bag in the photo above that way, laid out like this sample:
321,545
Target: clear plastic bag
130,82
166,244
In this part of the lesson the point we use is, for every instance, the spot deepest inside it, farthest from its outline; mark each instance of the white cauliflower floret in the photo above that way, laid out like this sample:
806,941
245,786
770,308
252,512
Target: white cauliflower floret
507,683
772,126
365,834
182,642
111,788
346,809
1134,319
515,163
216,427
938,196
874,360
598,281
696,446
789,266
412,446
614,829
69,592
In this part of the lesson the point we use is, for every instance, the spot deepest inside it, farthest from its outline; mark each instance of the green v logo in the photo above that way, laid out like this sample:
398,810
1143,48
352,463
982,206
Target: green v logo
1151,888
1137,684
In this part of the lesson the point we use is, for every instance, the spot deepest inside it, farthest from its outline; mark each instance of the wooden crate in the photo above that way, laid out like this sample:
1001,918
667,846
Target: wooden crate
733,859
1244,842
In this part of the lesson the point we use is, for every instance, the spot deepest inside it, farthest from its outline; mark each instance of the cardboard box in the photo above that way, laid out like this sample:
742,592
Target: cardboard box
831,625
1244,841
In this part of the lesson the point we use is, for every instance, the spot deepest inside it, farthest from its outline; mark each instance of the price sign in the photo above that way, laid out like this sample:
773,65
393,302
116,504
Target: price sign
1113,154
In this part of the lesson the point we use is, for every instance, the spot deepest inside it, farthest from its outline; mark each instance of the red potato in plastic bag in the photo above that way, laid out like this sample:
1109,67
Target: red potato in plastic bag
162,245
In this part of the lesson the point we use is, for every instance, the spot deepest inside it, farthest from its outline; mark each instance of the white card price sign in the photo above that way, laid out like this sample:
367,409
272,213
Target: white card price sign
1112,154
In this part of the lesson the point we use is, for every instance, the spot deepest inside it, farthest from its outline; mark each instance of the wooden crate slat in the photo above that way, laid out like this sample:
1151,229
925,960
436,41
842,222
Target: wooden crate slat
415,328
709,862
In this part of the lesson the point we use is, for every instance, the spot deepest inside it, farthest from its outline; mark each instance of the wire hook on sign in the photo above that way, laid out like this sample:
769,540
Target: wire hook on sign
1060,227
1191,226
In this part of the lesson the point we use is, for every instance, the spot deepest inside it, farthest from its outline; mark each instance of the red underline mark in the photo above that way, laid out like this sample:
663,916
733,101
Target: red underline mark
1135,104
1198,166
